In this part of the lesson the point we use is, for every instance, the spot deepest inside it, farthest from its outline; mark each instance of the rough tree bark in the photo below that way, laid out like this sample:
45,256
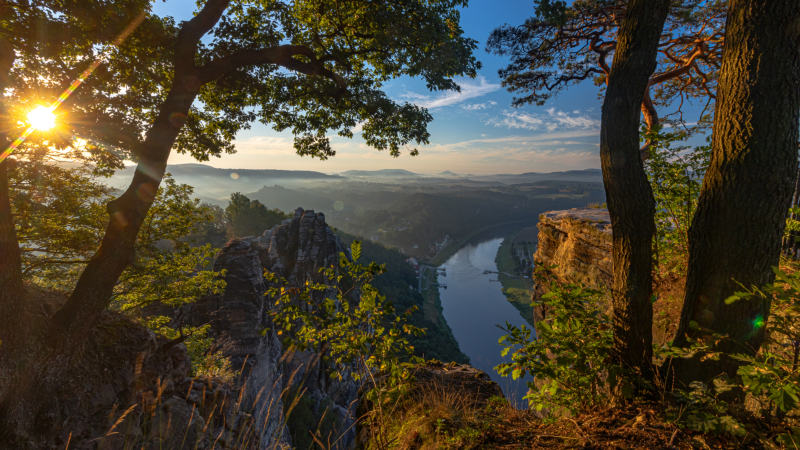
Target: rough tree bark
92,293
630,199
736,232
10,259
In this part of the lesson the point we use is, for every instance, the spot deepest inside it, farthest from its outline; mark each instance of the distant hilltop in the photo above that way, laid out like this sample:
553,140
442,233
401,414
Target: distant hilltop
586,175
205,170
380,173
215,185
589,175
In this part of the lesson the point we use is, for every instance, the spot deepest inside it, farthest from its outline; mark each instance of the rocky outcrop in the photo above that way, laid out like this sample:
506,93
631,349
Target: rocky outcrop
124,387
295,251
578,242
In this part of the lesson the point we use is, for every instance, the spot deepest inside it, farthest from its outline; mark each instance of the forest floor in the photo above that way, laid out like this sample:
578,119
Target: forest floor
455,407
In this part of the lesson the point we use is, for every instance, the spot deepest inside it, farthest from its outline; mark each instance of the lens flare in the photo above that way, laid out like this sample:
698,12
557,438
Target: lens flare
42,118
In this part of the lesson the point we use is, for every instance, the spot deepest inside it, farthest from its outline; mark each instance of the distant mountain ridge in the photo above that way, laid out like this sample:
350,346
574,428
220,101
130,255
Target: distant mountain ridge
590,175
202,169
379,173
215,185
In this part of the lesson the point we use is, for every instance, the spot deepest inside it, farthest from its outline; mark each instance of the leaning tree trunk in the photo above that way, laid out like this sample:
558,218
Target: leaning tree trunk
92,293
11,303
630,199
735,236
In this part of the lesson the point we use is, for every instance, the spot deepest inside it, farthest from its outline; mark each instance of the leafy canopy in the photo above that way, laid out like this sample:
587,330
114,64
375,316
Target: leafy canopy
346,51
52,43
563,45
313,67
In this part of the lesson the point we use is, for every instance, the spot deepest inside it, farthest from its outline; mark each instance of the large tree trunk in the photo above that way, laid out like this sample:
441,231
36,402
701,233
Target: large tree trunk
630,199
11,303
92,293
736,233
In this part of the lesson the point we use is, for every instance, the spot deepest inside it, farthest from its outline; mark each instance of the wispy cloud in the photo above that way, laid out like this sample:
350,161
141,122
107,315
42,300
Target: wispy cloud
479,106
468,90
552,121
524,143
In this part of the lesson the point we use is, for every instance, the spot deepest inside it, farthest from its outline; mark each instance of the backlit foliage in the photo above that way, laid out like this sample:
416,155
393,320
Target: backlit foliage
60,216
354,328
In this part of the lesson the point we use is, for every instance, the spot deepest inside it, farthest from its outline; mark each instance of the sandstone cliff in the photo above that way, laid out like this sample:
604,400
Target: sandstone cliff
295,250
127,388
578,241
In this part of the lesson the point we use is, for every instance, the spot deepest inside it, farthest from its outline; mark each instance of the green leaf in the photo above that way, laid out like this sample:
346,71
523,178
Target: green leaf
732,299
355,250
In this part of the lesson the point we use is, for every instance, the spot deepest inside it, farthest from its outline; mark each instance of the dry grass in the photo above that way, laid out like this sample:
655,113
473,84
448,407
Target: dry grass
444,418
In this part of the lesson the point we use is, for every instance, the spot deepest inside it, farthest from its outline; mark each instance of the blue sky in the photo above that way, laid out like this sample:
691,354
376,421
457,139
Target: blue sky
476,131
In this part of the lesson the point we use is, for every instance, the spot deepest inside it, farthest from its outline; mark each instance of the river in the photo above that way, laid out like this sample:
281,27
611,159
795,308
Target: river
474,305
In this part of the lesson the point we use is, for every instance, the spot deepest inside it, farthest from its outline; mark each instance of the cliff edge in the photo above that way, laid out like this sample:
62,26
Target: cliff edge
578,242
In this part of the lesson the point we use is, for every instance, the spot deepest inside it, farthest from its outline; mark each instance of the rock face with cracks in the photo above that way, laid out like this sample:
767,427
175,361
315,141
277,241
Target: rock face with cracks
123,388
578,241
295,250
128,388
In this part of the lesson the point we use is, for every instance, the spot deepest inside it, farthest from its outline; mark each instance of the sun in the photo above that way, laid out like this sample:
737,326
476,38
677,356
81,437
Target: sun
42,118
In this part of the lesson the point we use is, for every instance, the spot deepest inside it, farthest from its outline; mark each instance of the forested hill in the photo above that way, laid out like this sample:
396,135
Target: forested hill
396,284
414,217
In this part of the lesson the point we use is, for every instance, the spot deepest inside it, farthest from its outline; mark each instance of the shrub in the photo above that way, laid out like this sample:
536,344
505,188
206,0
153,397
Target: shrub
570,356
771,376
